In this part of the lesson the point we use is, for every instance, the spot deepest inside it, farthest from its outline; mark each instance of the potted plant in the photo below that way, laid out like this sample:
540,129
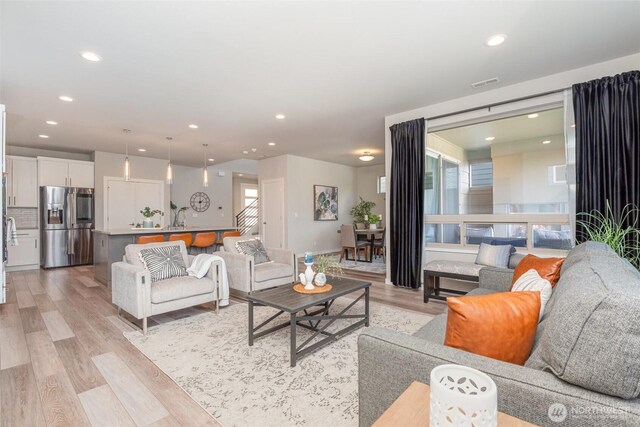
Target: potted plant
362,210
326,264
373,221
176,213
148,214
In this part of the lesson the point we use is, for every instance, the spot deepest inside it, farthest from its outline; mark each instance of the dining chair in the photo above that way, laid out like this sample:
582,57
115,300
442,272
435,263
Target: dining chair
379,247
349,242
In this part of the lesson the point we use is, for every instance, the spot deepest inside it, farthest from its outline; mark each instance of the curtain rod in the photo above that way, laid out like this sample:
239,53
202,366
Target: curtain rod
489,106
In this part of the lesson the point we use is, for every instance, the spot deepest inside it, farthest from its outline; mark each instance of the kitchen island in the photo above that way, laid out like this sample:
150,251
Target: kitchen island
108,245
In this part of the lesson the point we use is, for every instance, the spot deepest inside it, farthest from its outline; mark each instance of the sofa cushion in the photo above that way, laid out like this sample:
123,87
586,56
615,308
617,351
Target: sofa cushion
501,326
132,252
254,248
179,287
547,268
229,243
531,281
455,267
434,330
272,270
164,262
590,333
494,255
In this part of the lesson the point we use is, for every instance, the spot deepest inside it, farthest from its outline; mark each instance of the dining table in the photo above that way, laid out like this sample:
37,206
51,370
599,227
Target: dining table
369,235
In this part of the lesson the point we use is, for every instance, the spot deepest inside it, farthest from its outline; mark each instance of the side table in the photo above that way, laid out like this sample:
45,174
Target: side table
412,409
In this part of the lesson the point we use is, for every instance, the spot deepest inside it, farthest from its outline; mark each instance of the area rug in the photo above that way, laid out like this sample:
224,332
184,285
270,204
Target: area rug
378,266
208,356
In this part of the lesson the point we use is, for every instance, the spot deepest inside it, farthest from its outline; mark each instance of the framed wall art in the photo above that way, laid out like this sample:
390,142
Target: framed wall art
325,203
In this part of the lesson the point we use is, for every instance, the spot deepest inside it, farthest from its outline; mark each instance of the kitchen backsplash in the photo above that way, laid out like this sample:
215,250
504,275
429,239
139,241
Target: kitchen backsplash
25,217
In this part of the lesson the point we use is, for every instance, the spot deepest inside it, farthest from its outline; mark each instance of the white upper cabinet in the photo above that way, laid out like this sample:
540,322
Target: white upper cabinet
65,173
22,182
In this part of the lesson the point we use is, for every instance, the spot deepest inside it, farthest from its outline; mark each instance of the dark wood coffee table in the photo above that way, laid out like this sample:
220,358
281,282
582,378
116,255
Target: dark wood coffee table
299,307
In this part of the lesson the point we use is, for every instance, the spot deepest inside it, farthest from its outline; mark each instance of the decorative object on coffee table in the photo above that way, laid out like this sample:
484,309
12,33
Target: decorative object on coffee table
462,396
326,265
308,273
325,203
301,289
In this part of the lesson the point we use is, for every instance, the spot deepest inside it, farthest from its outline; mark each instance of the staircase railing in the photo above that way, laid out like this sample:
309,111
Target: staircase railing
248,217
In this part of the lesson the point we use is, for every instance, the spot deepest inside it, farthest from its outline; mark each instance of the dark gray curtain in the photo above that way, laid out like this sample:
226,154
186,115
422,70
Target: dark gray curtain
607,118
407,202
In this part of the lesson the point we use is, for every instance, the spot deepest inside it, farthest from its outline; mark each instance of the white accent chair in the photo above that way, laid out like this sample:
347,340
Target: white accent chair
133,292
245,276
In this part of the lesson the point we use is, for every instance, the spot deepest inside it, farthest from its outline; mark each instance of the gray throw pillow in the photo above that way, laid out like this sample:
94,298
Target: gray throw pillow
494,256
163,262
255,248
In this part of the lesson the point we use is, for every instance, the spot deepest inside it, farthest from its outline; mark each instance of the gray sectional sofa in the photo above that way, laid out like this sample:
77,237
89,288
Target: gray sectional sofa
586,355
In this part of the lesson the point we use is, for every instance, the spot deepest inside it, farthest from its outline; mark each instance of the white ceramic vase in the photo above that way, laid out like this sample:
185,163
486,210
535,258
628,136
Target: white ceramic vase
462,396
373,226
147,223
308,274
321,279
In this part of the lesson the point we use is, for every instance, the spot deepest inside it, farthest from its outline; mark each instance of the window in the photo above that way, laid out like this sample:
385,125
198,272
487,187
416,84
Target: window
382,184
559,174
481,174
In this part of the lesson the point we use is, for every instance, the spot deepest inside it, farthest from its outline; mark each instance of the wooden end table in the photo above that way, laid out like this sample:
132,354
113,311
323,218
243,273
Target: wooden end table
412,409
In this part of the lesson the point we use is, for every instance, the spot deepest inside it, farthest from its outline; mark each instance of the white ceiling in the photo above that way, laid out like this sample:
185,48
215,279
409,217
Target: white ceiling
519,128
335,69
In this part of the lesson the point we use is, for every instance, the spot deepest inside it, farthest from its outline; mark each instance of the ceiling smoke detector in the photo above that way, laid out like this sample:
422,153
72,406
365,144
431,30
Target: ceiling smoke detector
483,83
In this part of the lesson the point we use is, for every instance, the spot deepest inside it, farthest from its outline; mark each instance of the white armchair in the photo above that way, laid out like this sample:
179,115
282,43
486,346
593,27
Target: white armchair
133,292
245,276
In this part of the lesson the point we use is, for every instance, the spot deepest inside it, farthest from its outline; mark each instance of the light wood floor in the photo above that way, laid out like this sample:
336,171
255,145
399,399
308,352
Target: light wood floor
64,360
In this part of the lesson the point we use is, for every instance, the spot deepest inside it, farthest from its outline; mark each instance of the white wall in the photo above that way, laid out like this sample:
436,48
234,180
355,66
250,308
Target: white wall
300,174
188,180
503,94
110,164
367,187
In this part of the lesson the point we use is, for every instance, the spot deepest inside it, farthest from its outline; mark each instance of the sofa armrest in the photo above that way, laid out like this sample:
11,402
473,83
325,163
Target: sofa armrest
131,289
283,256
239,270
497,279
389,361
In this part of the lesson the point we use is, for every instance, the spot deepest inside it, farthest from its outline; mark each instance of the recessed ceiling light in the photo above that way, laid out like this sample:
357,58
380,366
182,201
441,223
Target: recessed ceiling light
90,56
533,116
142,150
280,116
43,136
240,174
193,126
51,122
66,98
573,125
496,39
254,149
211,160
271,143
245,152
546,141
366,156
490,138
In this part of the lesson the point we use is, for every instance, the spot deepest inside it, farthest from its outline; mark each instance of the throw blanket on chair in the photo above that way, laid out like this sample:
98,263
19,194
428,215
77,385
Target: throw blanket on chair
200,267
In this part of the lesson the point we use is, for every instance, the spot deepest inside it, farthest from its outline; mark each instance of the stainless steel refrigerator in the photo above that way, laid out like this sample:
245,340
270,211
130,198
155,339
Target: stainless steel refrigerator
67,218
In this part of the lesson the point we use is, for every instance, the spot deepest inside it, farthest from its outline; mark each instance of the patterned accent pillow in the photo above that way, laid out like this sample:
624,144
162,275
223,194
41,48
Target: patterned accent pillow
494,256
255,248
163,262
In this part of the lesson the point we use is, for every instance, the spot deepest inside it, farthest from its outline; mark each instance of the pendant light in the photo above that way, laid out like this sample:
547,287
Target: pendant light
127,163
205,173
169,169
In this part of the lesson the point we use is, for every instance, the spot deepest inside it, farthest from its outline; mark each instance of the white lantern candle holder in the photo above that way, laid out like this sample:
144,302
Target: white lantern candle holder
462,396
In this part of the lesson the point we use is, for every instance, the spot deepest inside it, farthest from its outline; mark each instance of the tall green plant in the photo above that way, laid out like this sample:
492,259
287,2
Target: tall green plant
363,208
620,232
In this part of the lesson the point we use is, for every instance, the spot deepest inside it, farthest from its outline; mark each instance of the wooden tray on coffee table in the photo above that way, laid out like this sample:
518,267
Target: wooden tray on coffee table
299,288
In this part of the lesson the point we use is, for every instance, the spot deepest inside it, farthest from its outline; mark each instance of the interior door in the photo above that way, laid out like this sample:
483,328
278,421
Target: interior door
120,203
272,202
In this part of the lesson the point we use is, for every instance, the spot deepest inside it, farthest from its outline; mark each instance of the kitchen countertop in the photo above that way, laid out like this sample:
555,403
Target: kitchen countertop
132,231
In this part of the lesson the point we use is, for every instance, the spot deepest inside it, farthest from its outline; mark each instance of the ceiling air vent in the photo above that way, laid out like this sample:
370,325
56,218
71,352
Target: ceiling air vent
485,82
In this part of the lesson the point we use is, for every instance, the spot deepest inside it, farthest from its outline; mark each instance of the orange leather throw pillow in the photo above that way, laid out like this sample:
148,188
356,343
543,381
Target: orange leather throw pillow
501,326
547,268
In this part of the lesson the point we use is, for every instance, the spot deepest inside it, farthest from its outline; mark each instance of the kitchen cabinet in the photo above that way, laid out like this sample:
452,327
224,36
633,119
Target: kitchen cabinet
65,173
27,252
125,199
22,182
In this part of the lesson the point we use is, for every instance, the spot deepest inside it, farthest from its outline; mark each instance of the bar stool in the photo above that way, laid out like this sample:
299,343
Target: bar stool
186,237
156,238
227,234
204,241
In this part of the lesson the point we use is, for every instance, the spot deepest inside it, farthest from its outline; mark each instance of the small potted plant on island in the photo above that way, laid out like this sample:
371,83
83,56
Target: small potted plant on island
326,264
148,215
